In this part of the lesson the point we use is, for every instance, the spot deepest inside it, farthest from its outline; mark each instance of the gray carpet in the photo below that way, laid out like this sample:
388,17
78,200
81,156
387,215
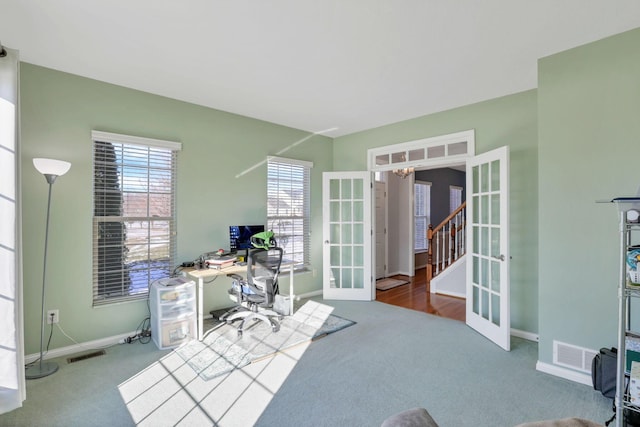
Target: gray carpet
222,350
397,359
393,359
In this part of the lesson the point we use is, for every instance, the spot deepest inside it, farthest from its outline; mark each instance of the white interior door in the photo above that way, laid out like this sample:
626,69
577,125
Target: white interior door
381,228
346,253
488,246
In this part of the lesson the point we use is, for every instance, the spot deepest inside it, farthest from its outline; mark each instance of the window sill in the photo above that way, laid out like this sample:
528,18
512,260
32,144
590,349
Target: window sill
103,303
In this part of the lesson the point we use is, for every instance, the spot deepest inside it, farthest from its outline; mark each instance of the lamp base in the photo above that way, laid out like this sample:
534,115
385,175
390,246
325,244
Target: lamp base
40,370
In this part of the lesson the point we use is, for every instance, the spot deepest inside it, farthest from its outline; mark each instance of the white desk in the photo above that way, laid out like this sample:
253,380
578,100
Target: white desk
201,275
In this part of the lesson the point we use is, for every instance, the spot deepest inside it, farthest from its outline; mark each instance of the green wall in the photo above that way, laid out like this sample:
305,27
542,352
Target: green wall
572,141
510,120
59,111
589,122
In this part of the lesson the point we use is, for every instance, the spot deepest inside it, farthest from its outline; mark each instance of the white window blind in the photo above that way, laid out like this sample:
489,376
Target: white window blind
134,238
288,206
455,197
422,213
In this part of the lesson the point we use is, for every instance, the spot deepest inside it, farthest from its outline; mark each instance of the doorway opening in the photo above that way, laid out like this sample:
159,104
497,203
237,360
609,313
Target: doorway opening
436,193
441,163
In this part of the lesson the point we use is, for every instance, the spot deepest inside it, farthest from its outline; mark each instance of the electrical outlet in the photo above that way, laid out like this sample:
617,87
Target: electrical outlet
53,316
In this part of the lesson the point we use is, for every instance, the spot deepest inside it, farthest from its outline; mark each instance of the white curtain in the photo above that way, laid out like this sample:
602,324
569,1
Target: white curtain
12,382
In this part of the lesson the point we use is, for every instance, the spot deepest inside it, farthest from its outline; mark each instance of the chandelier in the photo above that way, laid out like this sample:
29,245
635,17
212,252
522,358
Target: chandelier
404,172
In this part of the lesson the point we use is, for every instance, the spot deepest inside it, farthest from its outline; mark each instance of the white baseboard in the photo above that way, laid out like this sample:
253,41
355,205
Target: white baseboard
448,293
400,273
77,348
113,340
317,293
567,374
525,335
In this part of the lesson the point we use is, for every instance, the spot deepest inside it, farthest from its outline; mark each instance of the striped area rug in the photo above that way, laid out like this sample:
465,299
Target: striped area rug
384,284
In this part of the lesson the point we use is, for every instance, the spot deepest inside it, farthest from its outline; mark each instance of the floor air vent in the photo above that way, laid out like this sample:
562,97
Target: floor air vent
86,356
572,356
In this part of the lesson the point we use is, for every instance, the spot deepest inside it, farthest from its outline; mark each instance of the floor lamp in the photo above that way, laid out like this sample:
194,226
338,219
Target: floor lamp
51,169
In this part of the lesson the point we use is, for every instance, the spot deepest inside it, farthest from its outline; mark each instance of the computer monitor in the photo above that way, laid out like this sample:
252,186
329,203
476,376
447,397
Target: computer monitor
240,236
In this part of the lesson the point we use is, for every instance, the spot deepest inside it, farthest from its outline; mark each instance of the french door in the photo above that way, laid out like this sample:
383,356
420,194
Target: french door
346,253
347,256
488,246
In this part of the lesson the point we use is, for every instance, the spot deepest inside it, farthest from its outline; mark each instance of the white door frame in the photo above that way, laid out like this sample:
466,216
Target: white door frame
428,153
443,151
401,225
382,184
450,150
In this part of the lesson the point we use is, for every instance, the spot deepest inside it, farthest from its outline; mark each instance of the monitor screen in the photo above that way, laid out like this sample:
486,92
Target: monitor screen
240,236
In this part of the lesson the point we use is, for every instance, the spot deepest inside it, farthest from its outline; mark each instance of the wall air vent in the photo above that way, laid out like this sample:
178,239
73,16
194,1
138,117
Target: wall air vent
86,356
574,357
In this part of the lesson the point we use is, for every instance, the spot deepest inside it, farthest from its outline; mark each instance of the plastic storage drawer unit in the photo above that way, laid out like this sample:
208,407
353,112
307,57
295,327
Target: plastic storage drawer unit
173,311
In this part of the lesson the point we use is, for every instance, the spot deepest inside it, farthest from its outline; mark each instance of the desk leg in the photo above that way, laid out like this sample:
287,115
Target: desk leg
200,307
291,293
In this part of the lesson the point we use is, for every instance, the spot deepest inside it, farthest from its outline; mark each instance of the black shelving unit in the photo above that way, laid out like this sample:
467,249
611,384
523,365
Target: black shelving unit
628,289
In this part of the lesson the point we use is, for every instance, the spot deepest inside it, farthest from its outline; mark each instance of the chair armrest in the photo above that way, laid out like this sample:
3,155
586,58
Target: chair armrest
236,287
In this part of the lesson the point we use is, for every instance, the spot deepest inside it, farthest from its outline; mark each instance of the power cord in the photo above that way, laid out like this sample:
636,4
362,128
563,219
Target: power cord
186,264
144,336
82,345
199,263
48,344
69,337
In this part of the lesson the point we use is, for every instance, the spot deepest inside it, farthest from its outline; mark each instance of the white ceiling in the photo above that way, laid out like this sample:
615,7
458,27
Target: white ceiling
345,65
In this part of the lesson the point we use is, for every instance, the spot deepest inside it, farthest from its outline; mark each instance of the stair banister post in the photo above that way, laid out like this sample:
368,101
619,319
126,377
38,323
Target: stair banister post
429,252
452,248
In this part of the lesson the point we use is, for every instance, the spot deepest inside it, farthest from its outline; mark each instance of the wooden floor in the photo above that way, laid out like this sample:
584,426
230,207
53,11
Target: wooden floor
416,296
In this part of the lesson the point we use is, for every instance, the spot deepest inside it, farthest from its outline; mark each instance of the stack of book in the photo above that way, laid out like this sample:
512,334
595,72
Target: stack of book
220,262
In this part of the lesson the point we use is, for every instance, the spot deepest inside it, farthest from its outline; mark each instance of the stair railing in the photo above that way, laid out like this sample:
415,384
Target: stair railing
447,242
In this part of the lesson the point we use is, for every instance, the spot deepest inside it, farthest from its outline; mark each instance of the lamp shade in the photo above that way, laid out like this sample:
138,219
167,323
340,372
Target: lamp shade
51,166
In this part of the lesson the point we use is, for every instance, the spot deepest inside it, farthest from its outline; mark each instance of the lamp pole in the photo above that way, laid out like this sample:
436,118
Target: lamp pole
42,369
51,169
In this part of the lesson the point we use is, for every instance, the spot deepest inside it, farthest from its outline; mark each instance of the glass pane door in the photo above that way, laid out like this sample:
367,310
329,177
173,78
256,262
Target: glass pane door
488,261
347,235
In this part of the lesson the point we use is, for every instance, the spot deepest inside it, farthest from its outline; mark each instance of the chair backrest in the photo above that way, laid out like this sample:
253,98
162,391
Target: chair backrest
263,268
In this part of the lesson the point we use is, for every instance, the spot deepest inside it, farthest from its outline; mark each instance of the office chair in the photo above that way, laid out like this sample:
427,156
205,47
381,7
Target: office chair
257,292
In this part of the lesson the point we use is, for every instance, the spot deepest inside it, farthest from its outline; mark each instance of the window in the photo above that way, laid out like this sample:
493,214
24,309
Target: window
422,213
423,153
134,239
288,206
455,197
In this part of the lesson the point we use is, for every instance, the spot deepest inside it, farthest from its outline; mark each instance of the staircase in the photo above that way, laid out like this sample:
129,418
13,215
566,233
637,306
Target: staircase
447,242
